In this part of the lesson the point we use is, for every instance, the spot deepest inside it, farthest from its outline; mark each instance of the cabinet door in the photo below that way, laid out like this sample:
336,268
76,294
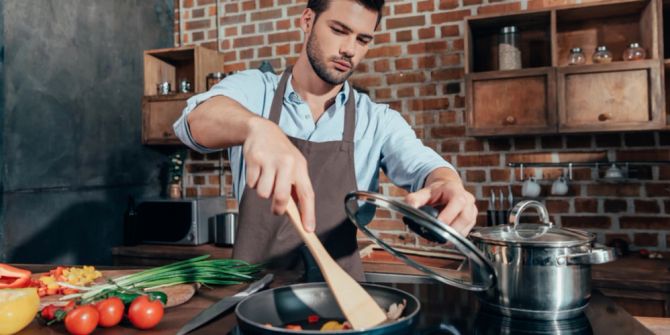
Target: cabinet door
610,97
516,102
158,115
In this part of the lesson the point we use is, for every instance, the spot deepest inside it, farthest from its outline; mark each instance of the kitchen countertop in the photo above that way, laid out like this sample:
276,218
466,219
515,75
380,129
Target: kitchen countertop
177,316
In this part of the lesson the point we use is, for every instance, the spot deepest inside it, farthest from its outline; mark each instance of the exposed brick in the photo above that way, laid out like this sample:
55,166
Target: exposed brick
403,36
266,3
230,31
647,206
500,175
429,104
383,93
199,180
406,77
266,15
424,47
449,30
367,81
646,239
283,24
385,51
448,4
426,33
645,222
265,27
198,36
283,49
403,64
231,7
265,52
249,29
425,62
612,190
232,19
447,117
664,172
191,192
450,146
611,238
643,139
478,160
205,2
399,239
524,143
395,191
405,92
499,8
247,54
615,206
451,59
402,8
586,222
458,44
382,65
248,41
475,176
377,224
382,38
425,6
447,74
581,174
471,2
295,10
643,155
209,191
287,36
187,3
586,205
214,179
198,13
197,24
557,206
658,189
426,90
450,16
474,145
404,22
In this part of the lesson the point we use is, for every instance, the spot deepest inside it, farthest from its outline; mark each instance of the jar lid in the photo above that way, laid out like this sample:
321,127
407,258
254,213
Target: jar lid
508,30
634,45
361,206
576,50
601,48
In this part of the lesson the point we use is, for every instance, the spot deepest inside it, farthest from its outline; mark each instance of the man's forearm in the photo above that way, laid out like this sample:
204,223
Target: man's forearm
221,122
442,174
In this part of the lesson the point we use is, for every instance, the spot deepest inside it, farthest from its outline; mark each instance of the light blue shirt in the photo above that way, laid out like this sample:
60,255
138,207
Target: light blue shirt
382,138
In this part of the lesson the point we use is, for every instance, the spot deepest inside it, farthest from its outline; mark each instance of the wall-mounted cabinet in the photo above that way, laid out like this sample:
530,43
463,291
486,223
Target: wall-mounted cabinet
172,65
550,95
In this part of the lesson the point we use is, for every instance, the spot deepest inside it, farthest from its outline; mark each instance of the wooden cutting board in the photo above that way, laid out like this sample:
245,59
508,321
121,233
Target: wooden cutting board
177,294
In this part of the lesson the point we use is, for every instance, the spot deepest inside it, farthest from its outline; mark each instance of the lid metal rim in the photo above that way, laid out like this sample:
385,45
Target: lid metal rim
565,244
445,231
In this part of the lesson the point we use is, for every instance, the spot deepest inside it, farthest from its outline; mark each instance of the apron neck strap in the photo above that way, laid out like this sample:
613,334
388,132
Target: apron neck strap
349,107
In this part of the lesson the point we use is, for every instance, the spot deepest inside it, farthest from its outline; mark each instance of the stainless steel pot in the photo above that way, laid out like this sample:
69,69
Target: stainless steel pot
543,272
532,271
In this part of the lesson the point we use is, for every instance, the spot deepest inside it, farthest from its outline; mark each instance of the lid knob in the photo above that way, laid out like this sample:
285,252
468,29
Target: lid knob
520,207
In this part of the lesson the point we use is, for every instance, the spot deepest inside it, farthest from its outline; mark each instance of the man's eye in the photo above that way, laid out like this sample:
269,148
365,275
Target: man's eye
363,41
338,31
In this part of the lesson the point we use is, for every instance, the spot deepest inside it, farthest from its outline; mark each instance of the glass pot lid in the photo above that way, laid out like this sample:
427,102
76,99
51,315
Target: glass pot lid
361,207
544,234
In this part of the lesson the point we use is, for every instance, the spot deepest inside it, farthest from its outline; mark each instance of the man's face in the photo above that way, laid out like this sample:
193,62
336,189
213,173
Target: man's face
339,40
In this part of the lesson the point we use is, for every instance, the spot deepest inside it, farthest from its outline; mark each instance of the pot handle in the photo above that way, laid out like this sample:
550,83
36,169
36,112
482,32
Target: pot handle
520,207
598,255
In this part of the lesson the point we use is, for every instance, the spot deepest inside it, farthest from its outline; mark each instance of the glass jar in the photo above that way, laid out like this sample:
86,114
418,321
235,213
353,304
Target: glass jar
214,78
509,52
576,57
602,55
634,52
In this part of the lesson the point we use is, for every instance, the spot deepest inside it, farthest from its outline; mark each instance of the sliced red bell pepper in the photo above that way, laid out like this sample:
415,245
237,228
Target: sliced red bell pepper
12,277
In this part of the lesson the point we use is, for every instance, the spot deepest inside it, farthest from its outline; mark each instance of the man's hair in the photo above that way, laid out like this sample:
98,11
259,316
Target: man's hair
320,6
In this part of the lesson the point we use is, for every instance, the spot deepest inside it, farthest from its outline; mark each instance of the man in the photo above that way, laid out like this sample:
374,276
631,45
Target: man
307,133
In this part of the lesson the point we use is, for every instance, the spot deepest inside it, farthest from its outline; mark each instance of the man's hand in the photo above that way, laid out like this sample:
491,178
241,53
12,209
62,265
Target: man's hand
445,188
275,168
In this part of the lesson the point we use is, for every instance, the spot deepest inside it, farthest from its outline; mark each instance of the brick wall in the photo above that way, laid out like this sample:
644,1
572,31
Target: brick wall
416,66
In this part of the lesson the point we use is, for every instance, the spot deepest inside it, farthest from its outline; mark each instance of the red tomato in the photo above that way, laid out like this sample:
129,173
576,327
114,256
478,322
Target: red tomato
111,311
82,320
144,313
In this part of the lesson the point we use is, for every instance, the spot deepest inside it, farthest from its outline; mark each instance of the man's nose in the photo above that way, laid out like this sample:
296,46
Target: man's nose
347,49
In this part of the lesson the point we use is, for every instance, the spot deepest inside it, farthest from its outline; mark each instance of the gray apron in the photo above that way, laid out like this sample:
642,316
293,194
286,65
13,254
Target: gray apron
265,237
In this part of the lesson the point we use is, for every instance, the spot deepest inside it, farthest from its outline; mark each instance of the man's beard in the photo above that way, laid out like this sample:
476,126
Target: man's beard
320,68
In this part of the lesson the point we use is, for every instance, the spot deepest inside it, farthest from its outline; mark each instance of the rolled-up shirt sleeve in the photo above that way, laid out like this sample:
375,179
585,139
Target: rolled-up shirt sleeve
238,87
405,160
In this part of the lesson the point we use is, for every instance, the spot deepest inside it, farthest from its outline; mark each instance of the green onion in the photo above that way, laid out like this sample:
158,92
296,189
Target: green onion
195,270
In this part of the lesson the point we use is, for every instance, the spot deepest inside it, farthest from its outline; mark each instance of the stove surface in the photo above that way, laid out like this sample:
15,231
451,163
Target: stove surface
447,310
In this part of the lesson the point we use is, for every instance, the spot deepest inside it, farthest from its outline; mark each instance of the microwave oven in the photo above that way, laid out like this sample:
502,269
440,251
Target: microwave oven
184,221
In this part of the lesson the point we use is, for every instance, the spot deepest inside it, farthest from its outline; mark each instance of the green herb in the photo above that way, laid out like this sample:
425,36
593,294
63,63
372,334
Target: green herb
195,270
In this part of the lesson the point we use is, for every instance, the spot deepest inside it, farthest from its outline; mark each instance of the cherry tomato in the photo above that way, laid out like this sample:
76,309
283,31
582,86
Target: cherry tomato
145,313
82,320
111,311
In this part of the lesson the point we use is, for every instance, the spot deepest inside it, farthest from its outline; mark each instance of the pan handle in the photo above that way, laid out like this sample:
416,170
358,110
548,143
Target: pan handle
598,255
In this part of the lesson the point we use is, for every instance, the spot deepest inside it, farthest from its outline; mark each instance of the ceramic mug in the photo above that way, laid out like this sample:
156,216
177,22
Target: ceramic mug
530,188
560,186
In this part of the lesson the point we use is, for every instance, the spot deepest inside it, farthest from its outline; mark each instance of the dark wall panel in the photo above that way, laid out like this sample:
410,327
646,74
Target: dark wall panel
71,125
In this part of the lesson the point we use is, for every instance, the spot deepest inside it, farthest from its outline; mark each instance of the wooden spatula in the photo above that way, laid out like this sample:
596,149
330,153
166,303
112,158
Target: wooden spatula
356,304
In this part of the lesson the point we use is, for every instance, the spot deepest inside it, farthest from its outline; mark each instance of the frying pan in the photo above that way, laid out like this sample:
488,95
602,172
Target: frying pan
293,304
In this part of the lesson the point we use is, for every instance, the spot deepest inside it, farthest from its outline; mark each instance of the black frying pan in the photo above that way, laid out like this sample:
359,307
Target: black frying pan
293,304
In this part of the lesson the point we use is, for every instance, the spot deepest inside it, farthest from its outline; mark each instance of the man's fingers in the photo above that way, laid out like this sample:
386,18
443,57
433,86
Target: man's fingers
265,182
418,198
282,190
465,221
305,195
253,172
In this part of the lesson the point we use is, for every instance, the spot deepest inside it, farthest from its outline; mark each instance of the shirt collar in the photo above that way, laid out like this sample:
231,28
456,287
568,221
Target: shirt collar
292,96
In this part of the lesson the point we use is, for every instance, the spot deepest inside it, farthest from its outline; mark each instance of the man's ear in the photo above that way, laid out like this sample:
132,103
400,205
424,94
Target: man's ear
307,20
